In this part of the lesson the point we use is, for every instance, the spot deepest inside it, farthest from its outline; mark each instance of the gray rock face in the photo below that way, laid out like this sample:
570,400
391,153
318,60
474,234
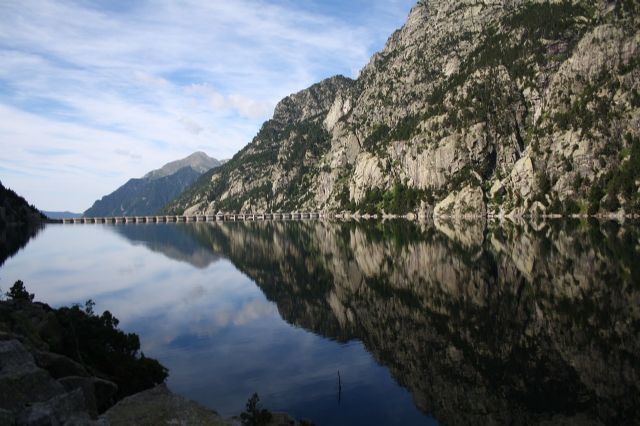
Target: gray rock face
158,406
59,365
308,103
64,409
536,99
21,380
30,396
198,161
467,204
98,394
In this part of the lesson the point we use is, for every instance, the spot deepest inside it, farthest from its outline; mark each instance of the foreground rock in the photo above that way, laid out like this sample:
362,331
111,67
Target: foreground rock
29,395
40,387
66,365
159,406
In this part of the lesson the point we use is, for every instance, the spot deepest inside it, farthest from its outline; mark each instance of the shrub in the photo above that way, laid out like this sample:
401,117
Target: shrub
571,207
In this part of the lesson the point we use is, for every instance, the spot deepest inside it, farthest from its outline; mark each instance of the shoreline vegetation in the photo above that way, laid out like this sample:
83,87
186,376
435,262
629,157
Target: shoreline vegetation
72,366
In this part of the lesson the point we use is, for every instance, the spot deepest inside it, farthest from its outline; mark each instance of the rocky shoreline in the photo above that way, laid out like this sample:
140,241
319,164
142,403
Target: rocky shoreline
40,386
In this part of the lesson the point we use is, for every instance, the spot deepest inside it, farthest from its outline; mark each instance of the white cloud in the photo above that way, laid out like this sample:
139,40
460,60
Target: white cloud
191,126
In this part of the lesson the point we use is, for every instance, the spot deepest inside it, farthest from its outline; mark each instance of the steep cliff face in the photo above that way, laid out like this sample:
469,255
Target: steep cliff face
533,104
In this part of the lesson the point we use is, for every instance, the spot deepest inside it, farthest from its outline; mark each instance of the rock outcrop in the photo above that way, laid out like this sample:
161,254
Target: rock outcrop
537,99
468,203
159,406
29,395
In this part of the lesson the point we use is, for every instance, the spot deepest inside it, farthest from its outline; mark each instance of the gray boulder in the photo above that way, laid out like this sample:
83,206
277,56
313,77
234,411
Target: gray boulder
59,365
99,394
158,406
21,380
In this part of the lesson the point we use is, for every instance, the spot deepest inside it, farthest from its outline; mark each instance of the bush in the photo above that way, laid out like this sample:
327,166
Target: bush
571,207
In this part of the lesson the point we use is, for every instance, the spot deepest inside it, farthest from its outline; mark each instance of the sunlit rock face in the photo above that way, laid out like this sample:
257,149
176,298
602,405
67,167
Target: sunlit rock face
507,323
539,99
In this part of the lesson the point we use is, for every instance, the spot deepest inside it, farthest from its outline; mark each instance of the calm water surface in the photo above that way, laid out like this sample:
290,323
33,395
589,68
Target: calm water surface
427,324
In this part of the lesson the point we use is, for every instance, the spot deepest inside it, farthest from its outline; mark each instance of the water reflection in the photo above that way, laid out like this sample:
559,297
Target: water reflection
14,238
184,243
482,323
516,324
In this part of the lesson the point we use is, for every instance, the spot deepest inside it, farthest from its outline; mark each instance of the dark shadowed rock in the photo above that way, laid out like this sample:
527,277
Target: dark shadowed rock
64,409
7,418
99,394
21,380
59,365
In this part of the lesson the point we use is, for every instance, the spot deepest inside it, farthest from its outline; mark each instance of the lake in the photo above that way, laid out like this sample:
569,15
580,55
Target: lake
367,323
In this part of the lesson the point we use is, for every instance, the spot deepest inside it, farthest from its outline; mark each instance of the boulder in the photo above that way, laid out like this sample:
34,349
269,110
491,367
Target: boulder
59,365
158,406
522,178
99,394
21,380
497,189
64,409
467,203
30,396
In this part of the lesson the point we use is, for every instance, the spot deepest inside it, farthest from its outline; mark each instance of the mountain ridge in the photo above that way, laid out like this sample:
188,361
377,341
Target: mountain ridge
198,161
147,195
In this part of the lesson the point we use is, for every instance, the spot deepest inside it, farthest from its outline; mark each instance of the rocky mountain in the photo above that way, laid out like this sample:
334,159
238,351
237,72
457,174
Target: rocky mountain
198,161
19,221
473,107
147,195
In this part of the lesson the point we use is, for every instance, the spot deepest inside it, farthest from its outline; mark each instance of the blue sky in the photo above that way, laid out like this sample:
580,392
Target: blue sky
93,93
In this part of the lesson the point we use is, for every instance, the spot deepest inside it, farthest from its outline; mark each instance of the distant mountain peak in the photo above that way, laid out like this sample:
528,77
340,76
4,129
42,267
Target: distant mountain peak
198,161
150,193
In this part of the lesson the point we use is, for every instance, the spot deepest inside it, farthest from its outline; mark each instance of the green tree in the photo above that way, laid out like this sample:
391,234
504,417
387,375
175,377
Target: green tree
18,292
255,415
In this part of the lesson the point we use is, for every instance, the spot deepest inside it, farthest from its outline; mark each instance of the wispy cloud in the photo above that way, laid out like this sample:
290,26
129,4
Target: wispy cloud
95,79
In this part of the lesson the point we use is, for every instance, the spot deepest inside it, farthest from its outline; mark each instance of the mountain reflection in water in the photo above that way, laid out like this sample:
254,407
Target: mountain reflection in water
505,323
